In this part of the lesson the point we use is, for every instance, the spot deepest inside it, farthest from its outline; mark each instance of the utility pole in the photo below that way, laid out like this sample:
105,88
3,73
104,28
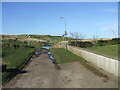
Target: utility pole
65,34
28,36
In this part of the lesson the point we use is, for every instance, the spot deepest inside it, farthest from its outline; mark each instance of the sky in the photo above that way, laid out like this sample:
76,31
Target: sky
43,18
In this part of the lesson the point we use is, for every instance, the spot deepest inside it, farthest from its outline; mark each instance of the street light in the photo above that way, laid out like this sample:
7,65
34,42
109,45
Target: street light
28,36
65,34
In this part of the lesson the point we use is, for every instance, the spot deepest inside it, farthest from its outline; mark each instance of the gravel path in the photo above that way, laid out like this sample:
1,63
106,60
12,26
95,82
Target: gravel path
42,73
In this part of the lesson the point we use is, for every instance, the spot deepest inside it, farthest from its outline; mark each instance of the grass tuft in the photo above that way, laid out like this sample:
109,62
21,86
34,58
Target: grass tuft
63,56
15,59
111,50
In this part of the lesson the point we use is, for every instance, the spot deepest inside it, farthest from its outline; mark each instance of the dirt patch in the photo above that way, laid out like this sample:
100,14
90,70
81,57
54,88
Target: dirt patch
77,75
44,74
57,67
94,70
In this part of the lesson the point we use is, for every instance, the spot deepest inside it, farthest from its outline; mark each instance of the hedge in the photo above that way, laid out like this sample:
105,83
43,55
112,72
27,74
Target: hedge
82,44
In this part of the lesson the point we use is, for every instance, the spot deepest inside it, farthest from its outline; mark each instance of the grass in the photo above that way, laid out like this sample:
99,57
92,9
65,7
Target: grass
15,59
15,56
111,50
63,56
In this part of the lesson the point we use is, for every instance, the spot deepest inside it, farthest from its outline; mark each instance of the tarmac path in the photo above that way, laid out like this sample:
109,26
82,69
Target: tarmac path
42,73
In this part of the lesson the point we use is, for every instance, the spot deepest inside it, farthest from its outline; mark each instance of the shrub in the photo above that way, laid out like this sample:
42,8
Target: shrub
85,44
101,42
81,44
116,40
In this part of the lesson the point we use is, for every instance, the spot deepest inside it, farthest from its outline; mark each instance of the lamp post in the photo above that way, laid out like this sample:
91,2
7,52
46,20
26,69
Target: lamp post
28,36
65,34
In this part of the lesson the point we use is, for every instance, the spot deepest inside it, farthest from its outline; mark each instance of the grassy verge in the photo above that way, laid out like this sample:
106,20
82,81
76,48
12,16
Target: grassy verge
15,59
111,50
63,56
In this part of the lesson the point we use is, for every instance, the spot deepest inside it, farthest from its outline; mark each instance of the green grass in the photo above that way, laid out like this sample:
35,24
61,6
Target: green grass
47,37
111,50
16,54
15,58
63,56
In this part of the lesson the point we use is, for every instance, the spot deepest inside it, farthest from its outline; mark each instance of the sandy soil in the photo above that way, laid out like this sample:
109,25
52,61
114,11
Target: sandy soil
42,73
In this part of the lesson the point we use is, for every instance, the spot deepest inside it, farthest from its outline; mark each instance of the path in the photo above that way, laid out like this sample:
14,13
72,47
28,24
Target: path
42,73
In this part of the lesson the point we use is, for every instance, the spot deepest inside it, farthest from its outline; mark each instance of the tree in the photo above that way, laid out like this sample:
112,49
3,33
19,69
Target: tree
15,46
77,36
95,39
115,35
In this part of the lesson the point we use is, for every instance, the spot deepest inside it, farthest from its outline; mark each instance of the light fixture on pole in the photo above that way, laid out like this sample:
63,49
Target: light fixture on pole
65,34
28,36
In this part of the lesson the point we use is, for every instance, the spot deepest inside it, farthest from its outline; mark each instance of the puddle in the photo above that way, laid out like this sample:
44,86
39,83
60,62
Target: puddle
49,54
52,58
36,53
46,47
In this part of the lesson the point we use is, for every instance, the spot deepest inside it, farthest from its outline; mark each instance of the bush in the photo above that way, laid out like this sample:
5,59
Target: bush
116,40
85,44
81,44
101,42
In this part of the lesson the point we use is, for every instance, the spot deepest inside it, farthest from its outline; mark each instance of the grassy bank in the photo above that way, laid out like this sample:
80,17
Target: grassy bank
63,56
111,50
15,54
15,60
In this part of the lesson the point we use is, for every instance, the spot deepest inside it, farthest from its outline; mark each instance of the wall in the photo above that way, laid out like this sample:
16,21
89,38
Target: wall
108,64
